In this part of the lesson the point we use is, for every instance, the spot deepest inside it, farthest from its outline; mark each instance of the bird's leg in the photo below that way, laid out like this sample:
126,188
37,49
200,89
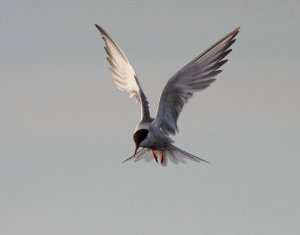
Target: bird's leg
154,156
162,157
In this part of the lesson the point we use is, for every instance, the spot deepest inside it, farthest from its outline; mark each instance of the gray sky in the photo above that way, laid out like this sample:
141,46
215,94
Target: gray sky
65,128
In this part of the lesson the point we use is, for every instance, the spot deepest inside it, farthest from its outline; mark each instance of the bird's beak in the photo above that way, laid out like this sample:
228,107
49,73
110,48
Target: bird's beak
136,149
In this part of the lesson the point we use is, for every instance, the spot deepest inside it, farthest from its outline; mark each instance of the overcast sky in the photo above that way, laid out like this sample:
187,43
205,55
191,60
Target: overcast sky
65,128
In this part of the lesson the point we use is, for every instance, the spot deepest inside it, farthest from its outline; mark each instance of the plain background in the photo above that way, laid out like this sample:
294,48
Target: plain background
65,128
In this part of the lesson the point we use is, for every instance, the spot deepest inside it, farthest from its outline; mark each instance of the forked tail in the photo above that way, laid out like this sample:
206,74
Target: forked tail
177,152
172,154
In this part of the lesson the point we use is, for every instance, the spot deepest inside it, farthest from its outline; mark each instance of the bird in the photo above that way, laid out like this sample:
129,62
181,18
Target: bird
152,136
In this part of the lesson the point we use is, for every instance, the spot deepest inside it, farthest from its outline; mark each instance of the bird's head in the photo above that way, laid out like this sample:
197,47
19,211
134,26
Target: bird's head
138,137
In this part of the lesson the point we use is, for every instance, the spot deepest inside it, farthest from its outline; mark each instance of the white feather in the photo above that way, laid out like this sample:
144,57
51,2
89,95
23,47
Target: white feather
123,74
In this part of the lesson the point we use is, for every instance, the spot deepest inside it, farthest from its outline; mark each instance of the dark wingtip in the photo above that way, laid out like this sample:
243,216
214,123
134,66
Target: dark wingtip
97,26
235,32
100,29
237,29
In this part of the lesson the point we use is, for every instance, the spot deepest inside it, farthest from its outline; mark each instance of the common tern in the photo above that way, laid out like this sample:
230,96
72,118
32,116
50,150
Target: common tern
152,135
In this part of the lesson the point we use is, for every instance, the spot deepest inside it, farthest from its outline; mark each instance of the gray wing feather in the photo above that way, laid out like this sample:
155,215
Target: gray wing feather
195,76
123,74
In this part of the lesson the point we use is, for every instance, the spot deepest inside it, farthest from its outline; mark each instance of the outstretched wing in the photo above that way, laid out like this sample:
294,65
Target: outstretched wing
195,76
123,74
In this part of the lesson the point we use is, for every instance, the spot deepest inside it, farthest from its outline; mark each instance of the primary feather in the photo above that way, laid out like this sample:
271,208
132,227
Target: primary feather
195,76
123,74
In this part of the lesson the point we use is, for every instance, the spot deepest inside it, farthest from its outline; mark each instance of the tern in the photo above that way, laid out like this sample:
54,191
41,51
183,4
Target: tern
152,135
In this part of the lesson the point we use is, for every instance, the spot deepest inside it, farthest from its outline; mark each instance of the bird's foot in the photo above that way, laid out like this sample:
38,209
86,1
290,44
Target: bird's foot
154,156
162,157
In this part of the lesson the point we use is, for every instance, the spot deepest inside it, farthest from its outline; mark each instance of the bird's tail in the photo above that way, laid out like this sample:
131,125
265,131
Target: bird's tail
172,154
180,154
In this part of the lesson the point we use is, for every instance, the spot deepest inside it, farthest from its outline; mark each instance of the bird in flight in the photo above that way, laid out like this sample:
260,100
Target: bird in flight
152,135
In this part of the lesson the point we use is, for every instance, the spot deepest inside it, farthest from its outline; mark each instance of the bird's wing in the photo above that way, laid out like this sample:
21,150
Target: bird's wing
123,74
195,76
